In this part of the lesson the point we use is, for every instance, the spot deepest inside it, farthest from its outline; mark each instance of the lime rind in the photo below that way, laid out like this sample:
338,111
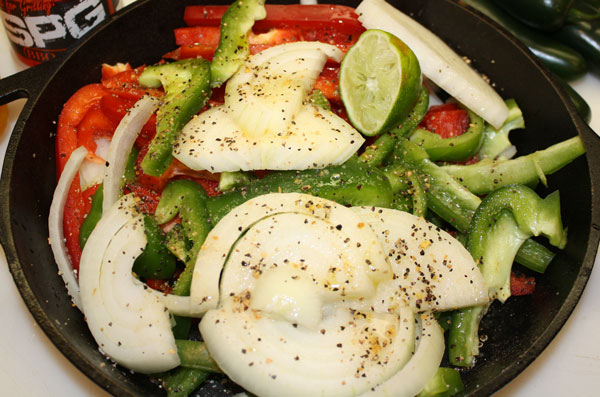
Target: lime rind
380,80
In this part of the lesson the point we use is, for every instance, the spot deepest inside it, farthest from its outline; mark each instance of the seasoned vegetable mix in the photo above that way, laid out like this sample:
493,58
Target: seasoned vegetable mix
285,199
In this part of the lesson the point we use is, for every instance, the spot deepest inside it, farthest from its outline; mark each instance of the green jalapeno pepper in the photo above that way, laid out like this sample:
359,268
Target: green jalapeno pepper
187,88
457,148
559,58
547,15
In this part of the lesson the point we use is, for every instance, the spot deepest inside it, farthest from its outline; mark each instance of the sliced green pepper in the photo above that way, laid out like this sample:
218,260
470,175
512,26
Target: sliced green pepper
352,183
156,261
195,355
233,45
505,219
456,204
92,218
188,200
495,141
187,88
182,381
380,150
445,383
457,148
488,175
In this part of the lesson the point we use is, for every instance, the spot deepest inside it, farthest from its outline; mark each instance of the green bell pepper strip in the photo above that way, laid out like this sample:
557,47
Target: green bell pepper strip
495,141
92,218
319,99
156,261
456,205
379,151
230,180
457,148
488,175
195,355
546,15
352,183
445,383
187,88
505,219
406,182
559,58
188,200
182,381
233,45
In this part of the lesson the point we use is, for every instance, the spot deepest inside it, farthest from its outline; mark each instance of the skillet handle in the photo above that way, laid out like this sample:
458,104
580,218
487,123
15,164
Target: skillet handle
27,83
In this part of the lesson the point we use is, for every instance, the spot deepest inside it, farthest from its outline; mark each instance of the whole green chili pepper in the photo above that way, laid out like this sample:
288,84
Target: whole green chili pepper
233,46
547,15
504,220
188,200
352,183
187,88
457,148
92,218
559,58
583,36
488,175
156,261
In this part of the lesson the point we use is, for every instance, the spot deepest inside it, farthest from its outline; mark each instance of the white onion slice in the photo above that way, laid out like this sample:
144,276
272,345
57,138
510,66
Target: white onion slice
438,61
120,146
130,325
55,223
413,377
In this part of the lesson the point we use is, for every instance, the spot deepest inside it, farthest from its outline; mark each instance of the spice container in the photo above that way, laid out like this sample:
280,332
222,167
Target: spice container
40,30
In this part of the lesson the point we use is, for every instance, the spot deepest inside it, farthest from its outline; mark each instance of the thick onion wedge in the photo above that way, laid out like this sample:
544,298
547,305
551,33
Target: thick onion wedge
438,61
55,223
125,135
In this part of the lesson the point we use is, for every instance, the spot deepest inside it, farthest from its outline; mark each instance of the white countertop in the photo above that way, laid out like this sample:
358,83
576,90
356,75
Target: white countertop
30,365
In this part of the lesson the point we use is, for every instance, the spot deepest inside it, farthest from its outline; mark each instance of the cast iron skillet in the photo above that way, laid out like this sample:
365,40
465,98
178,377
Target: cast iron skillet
517,331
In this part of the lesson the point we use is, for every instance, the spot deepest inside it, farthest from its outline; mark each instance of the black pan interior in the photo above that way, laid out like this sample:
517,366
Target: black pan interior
517,331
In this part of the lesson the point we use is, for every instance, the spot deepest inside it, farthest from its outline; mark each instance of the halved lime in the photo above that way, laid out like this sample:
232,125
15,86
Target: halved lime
380,80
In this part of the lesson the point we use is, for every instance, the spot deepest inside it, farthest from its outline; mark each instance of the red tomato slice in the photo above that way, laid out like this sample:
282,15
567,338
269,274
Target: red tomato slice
446,120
